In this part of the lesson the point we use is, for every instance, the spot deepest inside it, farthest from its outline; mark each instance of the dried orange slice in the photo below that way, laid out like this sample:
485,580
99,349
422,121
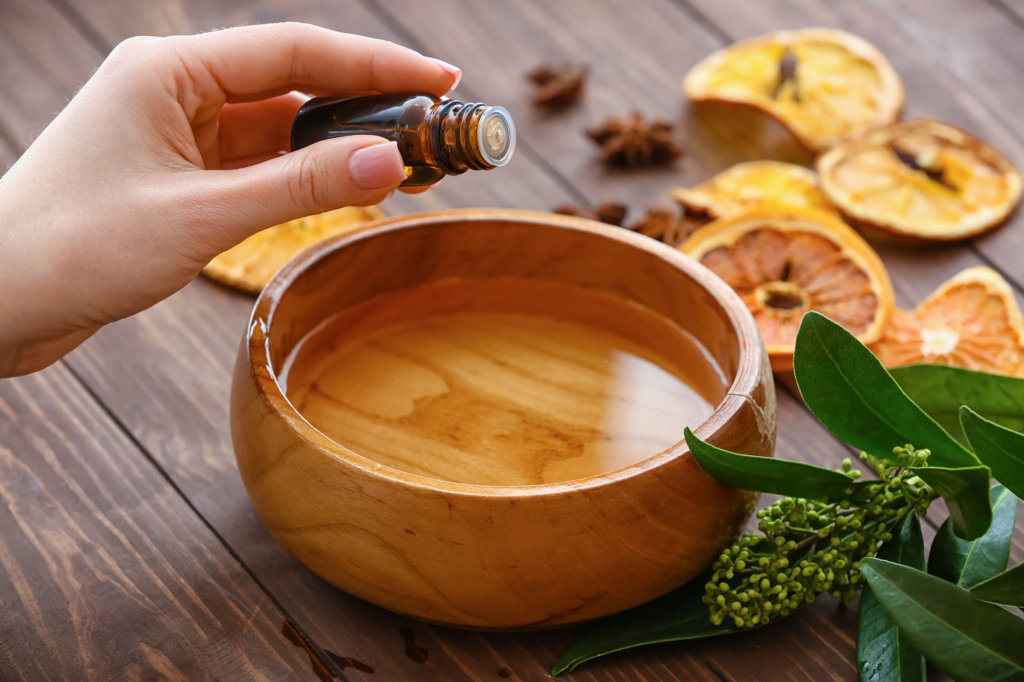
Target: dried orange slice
784,263
250,265
823,84
755,184
921,179
972,320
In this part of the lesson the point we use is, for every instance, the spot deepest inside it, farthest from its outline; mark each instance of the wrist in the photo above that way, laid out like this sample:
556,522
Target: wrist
27,356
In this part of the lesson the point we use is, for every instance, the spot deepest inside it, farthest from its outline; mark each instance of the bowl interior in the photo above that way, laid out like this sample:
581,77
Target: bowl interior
662,297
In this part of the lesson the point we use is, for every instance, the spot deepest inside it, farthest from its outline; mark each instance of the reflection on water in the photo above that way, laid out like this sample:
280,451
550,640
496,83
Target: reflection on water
645,410
502,397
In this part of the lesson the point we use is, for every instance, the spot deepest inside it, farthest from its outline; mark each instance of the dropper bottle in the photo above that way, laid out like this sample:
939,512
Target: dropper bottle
436,137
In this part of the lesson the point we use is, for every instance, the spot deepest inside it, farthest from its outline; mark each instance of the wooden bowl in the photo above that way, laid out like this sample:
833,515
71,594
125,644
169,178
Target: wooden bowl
483,555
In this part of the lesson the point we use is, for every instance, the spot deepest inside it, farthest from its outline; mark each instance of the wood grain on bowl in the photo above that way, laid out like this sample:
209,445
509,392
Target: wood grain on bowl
479,547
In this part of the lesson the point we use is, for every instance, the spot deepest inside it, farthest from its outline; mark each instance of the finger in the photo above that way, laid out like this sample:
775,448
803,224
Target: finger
257,128
249,61
346,171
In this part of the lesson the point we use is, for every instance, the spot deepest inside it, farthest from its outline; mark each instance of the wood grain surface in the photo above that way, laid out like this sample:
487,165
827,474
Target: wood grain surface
106,571
129,545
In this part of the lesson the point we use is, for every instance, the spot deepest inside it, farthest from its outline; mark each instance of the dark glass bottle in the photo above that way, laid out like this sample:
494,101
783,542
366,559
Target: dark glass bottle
436,137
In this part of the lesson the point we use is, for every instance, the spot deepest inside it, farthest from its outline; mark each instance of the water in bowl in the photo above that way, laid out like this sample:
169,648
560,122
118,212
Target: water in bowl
502,381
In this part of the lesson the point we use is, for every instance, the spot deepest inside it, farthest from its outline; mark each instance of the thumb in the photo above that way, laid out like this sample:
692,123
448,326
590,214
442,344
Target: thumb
343,171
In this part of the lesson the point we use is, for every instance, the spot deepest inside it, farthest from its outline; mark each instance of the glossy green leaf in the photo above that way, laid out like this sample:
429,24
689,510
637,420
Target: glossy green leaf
906,546
966,492
766,474
849,391
1004,588
968,639
883,653
1000,448
940,390
967,563
677,616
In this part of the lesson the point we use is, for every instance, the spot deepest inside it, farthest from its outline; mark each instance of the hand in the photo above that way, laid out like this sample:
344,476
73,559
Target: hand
172,153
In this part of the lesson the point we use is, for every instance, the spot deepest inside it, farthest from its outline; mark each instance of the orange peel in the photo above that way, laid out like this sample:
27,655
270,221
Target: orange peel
921,179
250,265
754,184
785,263
972,320
823,84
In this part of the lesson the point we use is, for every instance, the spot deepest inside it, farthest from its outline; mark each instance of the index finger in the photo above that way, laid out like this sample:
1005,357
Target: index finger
250,62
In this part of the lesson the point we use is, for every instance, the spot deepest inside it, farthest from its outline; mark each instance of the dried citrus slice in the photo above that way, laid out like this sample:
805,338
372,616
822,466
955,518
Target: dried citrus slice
823,84
250,265
754,184
784,263
972,320
921,179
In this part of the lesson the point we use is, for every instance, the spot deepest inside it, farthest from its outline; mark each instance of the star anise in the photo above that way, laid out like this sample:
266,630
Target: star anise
632,142
558,85
611,212
664,224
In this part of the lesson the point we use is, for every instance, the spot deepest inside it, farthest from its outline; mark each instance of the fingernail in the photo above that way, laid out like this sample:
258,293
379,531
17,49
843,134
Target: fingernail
453,70
376,166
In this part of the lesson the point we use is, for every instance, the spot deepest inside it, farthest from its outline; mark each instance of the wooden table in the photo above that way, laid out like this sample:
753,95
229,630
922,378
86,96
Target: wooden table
128,548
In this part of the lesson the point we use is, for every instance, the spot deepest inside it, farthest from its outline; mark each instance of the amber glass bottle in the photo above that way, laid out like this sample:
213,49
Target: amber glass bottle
436,137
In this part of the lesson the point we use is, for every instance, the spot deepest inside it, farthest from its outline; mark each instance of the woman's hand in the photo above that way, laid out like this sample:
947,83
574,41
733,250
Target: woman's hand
171,153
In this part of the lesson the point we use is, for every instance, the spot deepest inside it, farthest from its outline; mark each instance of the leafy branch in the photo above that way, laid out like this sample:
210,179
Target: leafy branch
835,534
809,547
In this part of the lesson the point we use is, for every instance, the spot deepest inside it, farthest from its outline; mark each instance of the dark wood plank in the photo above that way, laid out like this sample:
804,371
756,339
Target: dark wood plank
106,571
442,642
8,149
38,81
1012,9
715,135
462,648
652,66
184,423
174,363
638,59
8,153
165,372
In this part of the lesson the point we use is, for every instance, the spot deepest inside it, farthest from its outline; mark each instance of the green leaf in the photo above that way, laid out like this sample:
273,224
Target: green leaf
883,652
966,638
1002,449
907,546
968,563
677,616
766,474
965,490
849,391
1004,588
940,390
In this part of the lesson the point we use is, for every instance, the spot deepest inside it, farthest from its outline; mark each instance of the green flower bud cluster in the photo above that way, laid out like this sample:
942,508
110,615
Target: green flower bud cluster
809,547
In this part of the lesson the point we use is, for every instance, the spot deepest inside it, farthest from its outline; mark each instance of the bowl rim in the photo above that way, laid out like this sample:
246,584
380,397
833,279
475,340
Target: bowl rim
751,365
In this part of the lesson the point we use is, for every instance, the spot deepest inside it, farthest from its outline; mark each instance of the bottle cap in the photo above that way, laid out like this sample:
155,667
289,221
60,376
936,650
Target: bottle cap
496,136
